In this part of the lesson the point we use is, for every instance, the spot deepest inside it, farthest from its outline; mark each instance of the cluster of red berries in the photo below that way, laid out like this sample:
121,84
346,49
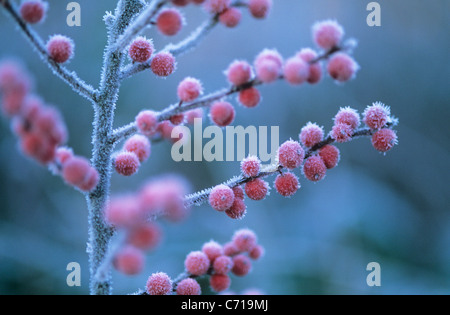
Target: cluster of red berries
136,150
214,260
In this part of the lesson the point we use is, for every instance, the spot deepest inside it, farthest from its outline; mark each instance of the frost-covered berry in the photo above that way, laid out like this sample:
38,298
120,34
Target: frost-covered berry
91,180
296,71
189,89
33,11
259,8
242,265
342,67
163,64
315,69
159,284
177,119
256,252
244,239
237,209
222,113
314,168
341,132
222,265
139,145
75,170
219,283
238,192
239,72
145,236
250,166
376,116
230,249
230,17
123,211
348,116
60,48
250,97
311,134
217,6
268,65
129,260
212,249
63,154
188,286
257,189
291,154
287,184
169,22
147,122
126,163
327,34
383,140
221,197
197,263
193,114
141,49
330,155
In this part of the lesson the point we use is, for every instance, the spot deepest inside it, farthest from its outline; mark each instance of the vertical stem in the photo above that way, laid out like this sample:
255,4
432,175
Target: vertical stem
99,232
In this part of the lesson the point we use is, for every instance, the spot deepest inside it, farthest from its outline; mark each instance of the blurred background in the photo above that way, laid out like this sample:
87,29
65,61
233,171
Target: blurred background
392,209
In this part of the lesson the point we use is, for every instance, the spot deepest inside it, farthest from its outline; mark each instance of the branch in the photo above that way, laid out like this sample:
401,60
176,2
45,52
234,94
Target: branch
70,77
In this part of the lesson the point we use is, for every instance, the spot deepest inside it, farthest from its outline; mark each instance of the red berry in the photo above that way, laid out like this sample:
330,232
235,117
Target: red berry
219,283
251,166
250,97
169,22
222,265
159,284
139,145
237,210
75,170
241,265
296,71
347,116
127,163
91,180
315,69
188,286
141,49
244,239
63,154
60,48
177,119
145,236
230,17
217,6
342,67
230,249
189,89
314,168
222,113
291,154
163,64
33,11
239,72
311,134
256,252
129,260
330,155
342,133
147,122
268,65
212,249
377,115
287,184
327,34
259,8
384,140
257,189
193,114
238,192
123,211
197,263
221,197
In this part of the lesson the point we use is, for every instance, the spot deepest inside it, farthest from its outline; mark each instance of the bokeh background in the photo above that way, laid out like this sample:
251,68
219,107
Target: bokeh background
392,209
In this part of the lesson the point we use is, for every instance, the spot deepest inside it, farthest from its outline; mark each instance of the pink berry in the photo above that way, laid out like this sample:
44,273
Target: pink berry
259,8
60,48
341,133
188,286
330,155
212,249
145,236
159,284
177,119
314,168
257,189
384,140
238,192
256,252
141,49
311,134
251,166
147,122
222,265
237,209
219,283
348,116
163,64
296,71
127,163
222,113
37,147
291,154
169,22
193,114
250,97
63,154
197,263
230,17
244,239
189,89
129,260
241,265
287,184
221,197
75,170
239,72
91,180
139,145
315,69
33,11
230,249
123,211
376,116
327,34
217,6
268,65
342,67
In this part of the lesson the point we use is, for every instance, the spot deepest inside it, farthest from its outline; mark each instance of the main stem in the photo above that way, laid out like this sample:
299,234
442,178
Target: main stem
99,231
